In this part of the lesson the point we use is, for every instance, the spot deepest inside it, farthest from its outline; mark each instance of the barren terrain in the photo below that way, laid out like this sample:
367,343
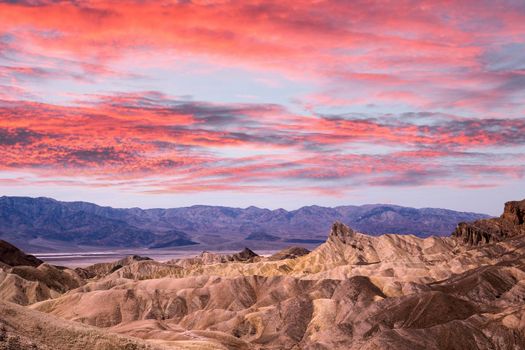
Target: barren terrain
354,291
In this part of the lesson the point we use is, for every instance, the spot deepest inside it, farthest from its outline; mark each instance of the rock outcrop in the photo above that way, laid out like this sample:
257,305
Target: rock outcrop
103,269
12,256
514,212
289,253
244,255
341,232
208,258
511,223
24,279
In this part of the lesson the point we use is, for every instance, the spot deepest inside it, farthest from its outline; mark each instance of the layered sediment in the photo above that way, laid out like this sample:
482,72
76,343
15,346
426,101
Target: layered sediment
353,292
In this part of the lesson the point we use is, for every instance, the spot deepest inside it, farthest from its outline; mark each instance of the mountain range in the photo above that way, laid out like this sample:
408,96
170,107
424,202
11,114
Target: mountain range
47,224
352,292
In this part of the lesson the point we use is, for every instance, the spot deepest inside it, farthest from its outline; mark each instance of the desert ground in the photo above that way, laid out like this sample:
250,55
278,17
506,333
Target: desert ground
354,291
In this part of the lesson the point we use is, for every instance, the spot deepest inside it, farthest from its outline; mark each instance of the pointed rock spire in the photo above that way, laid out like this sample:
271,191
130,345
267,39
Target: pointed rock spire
341,232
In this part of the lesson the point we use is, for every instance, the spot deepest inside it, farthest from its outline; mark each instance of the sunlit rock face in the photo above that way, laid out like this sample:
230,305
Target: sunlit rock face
510,223
341,232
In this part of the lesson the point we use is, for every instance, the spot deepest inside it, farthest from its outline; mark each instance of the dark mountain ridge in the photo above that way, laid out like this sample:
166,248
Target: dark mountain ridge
43,222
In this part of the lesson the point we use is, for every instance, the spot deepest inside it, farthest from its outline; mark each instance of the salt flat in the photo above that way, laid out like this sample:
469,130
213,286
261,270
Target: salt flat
86,258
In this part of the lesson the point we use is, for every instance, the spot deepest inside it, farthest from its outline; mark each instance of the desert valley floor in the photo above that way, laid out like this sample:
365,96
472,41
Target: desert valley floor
354,291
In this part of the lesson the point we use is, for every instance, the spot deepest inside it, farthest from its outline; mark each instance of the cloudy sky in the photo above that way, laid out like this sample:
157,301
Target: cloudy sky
269,103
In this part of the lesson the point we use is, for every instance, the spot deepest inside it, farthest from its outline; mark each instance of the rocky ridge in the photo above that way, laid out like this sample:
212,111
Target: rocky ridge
354,291
12,256
511,223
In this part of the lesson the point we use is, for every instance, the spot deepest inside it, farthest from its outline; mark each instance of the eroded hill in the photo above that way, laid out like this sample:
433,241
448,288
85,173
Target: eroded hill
353,292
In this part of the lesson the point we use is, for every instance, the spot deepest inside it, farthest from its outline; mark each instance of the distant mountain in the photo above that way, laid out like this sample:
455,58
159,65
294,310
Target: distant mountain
43,223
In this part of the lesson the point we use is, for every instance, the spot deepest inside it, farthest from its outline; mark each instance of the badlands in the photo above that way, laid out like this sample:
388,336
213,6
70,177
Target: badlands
355,291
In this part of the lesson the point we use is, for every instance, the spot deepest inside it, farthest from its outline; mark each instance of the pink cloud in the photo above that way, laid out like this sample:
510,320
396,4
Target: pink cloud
136,137
428,52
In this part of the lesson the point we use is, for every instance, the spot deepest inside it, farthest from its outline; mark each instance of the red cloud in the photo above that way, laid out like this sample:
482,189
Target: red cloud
430,56
427,54
164,144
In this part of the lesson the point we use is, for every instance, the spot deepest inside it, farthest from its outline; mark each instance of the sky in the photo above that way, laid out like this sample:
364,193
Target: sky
267,103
